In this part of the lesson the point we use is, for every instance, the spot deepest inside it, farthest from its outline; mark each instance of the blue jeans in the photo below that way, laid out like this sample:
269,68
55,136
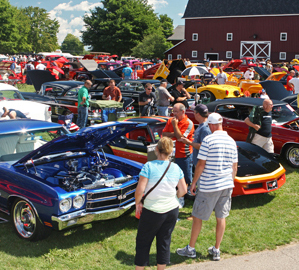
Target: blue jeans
82,116
186,165
163,110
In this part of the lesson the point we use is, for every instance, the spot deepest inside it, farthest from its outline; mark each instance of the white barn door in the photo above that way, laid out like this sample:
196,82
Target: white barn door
255,49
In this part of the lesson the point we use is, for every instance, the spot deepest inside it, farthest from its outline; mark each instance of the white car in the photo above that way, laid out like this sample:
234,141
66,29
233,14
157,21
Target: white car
11,98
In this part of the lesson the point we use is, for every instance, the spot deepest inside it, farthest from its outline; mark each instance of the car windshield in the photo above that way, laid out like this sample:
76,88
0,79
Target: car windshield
14,146
283,113
10,94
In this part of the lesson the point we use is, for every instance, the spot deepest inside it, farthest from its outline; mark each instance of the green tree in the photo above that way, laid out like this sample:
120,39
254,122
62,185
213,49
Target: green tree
152,46
8,32
72,44
119,25
43,31
167,25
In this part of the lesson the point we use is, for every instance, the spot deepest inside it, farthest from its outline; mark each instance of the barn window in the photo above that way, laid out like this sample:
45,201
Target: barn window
283,36
194,54
169,56
296,56
282,56
229,54
229,36
194,37
179,56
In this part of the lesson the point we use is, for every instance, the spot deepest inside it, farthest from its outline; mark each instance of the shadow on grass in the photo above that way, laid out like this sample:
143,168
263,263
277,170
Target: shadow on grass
95,232
127,259
252,201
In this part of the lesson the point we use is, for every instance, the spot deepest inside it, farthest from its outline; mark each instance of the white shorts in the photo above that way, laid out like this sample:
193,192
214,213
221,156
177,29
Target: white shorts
264,142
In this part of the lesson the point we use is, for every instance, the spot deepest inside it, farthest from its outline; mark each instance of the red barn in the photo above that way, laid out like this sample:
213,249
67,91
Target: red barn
226,29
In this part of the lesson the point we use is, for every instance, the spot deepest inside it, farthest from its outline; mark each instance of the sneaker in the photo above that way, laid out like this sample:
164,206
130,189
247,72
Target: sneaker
216,254
186,252
181,202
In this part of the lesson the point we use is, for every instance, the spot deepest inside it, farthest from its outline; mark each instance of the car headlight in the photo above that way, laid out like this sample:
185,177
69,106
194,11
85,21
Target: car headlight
78,201
65,205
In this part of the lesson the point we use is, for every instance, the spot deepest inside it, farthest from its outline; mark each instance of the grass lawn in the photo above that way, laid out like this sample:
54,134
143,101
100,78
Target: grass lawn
256,222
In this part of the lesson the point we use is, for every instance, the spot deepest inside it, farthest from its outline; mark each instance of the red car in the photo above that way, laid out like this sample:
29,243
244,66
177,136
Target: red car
285,124
257,172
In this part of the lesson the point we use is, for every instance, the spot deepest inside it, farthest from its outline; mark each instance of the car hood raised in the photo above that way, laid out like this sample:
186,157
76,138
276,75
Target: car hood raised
84,140
38,77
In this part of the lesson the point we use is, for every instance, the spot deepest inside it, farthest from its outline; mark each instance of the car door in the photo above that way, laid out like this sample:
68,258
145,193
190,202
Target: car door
233,120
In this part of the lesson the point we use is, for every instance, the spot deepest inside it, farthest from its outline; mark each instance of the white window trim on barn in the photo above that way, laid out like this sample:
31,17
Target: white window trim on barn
169,56
194,37
282,56
229,54
282,38
229,37
296,56
179,56
194,54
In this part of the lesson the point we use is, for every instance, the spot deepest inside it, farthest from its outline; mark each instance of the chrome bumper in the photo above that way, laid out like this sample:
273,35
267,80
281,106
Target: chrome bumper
82,217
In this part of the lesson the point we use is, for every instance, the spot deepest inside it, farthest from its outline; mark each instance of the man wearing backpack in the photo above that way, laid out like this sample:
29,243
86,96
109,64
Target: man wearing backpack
260,126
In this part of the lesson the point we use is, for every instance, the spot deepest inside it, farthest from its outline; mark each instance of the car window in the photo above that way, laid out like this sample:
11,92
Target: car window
283,113
16,145
157,131
232,111
143,132
131,86
72,92
53,91
10,94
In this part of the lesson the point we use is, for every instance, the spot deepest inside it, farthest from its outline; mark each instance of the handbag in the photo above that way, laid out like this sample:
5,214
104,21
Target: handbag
144,197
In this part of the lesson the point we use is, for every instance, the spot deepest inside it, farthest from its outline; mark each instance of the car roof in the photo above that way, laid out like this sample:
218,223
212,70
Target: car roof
5,86
241,101
65,84
16,125
143,81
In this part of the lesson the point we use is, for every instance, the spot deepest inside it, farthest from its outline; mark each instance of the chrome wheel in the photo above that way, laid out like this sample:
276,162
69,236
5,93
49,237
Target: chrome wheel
292,156
24,219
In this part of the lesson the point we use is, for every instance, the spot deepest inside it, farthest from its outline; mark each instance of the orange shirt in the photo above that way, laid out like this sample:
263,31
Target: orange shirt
114,94
186,127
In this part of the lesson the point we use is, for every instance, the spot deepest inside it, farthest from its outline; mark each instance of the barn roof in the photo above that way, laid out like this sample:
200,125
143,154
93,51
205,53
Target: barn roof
232,8
178,33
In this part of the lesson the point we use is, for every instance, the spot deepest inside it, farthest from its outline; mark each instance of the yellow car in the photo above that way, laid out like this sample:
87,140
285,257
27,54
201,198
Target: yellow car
217,91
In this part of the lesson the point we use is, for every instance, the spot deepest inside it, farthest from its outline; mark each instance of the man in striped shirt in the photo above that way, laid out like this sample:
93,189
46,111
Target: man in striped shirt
216,170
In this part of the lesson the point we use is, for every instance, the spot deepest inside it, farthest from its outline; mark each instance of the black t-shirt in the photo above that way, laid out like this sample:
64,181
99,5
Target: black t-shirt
266,125
208,76
144,97
176,94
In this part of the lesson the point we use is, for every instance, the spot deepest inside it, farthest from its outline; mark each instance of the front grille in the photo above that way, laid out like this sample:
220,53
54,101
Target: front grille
110,199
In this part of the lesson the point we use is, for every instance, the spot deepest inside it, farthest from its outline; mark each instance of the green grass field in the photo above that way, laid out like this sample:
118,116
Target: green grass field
256,222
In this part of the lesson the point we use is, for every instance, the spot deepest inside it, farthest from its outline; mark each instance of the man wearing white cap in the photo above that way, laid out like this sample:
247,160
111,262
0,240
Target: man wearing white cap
249,74
40,66
216,170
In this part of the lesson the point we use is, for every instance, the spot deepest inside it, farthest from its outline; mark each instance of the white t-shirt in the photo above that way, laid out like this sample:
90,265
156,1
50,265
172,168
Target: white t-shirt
221,78
40,67
295,82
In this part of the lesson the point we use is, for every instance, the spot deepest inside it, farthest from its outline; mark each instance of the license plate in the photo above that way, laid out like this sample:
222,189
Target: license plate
272,185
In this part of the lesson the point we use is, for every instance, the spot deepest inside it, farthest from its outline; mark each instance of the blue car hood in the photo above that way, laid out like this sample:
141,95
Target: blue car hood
85,140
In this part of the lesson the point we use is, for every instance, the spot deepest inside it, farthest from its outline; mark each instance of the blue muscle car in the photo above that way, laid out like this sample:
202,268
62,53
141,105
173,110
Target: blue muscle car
64,182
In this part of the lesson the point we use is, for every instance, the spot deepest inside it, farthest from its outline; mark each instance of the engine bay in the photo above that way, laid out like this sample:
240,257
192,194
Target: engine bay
73,171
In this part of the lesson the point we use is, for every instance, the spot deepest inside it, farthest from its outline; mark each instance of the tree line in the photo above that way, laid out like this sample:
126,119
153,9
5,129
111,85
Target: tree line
121,27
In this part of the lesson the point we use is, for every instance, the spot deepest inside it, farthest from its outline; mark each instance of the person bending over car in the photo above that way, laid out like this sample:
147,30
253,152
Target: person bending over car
146,101
112,92
12,113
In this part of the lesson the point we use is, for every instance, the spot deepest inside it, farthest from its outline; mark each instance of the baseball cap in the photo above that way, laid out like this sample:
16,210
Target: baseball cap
215,118
164,80
180,83
263,91
202,110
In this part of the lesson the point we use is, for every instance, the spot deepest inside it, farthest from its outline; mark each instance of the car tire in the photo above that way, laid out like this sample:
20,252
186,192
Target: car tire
26,222
292,156
209,95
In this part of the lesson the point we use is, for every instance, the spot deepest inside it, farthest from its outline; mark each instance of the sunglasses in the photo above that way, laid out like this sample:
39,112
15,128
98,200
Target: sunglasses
149,88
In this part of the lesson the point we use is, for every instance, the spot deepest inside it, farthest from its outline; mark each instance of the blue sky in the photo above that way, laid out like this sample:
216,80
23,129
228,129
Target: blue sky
69,12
